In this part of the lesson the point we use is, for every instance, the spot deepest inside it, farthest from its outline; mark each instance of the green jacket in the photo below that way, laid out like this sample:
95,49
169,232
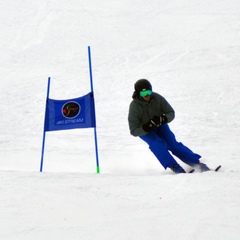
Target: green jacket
140,112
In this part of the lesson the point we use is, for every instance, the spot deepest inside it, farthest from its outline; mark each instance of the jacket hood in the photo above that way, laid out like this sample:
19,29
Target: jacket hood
134,96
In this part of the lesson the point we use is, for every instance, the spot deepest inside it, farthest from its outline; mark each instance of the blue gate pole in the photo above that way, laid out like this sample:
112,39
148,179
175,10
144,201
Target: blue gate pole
95,131
44,132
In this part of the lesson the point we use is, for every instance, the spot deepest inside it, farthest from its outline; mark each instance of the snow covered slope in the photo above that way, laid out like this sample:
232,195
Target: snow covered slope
189,50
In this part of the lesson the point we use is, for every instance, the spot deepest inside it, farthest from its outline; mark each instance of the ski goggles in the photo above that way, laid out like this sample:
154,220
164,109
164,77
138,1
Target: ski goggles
145,93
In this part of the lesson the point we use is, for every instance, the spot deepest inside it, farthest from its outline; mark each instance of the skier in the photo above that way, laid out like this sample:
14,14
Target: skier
148,118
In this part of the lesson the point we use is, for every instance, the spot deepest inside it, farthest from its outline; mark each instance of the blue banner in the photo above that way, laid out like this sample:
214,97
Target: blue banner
70,114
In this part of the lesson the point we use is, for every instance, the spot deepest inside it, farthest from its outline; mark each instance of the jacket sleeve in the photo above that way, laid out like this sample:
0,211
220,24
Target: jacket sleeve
167,109
134,121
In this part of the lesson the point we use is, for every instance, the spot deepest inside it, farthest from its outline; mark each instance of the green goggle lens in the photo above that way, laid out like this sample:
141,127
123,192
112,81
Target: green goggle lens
145,93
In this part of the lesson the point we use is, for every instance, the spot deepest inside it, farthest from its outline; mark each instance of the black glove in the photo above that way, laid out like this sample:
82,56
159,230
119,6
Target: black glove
147,127
156,121
163,119
160,120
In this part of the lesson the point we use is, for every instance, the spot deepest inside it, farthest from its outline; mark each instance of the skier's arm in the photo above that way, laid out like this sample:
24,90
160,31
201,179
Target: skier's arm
134,122
167,110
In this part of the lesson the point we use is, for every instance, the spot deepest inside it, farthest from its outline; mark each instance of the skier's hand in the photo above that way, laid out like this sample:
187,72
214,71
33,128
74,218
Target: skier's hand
163,119
150,125
156,121
160,120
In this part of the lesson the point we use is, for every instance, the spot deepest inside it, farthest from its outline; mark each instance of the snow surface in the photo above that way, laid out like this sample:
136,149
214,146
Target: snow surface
188,49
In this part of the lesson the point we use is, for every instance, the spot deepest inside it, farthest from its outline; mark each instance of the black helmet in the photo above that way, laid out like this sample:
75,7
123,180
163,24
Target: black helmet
142,84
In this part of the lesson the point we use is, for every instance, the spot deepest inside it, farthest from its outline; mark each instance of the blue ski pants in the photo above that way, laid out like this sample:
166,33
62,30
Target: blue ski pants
161,140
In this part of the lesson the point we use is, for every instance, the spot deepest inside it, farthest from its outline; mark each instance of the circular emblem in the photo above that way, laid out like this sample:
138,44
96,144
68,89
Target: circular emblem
71,109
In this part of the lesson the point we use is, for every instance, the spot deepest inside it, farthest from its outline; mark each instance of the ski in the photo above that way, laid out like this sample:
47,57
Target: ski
191,171
214,169
217,168
210,169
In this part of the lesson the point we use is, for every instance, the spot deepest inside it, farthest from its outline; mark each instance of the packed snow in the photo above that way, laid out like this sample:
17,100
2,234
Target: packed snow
189,50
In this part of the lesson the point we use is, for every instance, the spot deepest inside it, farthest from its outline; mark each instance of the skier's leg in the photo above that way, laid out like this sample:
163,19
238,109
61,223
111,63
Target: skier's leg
159,149
177,148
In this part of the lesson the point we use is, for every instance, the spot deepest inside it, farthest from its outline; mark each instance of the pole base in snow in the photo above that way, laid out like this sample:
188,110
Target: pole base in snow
98,169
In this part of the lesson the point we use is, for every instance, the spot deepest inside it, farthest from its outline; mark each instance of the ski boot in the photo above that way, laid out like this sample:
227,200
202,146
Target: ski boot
176,168
203,167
